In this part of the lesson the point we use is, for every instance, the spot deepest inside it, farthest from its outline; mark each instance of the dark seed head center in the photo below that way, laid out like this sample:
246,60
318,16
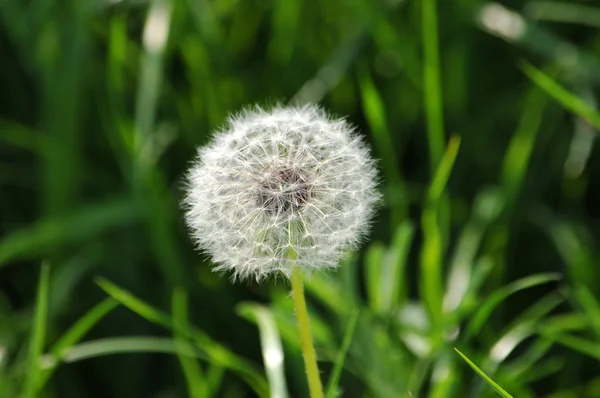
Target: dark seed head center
284,191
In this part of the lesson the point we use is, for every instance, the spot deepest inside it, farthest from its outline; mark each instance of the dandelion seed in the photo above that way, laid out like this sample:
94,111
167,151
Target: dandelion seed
272,182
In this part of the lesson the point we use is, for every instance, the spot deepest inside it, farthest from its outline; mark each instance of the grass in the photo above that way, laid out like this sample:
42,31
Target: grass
487,242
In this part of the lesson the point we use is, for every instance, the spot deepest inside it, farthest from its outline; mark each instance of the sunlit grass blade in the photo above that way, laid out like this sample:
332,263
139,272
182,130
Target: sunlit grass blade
550,366
385,270
580,344
524,327
522,144
215,353
443,172
590,306
149,182
574,321
76,333
434,235
37,336
528,356
374,262
123,345
192,371
493,300
573,246
564,11
562,95
214,379
156,34
395,289
442,386
336,373
376,117
486,208
432,83
538,39
417,377
270,343
330,292
78,226
485,377
534,362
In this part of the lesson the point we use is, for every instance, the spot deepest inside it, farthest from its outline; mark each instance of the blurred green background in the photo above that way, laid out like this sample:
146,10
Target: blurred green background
104,102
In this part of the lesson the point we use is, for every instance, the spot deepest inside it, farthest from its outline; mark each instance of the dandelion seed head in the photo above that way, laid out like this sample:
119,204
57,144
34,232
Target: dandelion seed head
290,179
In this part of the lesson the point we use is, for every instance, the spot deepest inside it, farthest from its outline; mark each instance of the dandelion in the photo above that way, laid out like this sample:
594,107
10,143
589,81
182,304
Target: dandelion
284,191
288,181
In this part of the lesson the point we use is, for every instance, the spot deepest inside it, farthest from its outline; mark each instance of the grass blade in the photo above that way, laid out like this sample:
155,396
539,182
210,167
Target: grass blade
191,369
580,344
520,150
334,379
330,293
491,302
215,352
79,226
376,118
38,335
590,306
434,235
574,247
156,34
76,333
485,377
562,95
123,345
523,327
84,325
432,83
270,343
21,136
385,270
564,12
461,278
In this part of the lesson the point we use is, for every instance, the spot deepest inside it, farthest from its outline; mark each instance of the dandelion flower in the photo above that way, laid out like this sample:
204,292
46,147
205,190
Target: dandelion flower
278,189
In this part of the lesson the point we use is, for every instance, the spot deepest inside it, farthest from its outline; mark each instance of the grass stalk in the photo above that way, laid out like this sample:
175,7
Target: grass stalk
306,341
432,82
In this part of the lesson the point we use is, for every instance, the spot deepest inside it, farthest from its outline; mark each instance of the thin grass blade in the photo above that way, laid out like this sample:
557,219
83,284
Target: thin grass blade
270,342
496,298
580,344
385,270
192,371
75,334
38,335
214,352
375,113
334,379
123,345
562,95
79,226
432,83
434,235
485,377
590,306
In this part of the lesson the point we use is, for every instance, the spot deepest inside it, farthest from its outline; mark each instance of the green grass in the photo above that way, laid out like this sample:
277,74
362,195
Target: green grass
38,336
491,382
483,117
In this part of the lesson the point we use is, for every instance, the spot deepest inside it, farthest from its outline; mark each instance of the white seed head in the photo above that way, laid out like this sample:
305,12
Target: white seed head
290,187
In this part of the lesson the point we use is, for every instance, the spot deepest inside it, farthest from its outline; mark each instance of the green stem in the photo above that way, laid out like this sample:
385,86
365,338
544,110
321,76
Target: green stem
308,350
432,83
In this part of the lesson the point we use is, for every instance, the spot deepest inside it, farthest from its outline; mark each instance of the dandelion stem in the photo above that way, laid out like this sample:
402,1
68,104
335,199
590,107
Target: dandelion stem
306,341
